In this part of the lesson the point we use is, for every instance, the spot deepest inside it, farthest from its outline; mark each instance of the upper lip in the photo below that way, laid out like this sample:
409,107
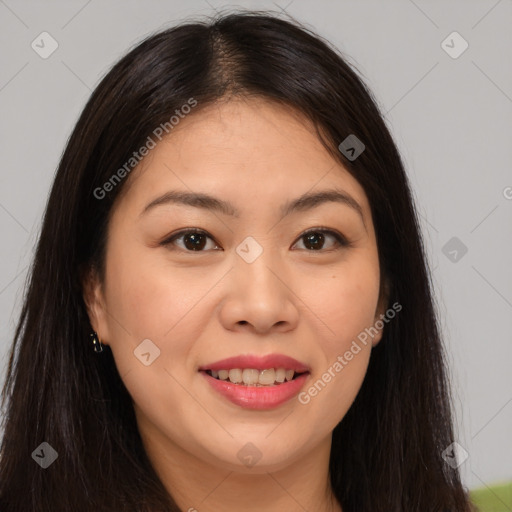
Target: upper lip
257,363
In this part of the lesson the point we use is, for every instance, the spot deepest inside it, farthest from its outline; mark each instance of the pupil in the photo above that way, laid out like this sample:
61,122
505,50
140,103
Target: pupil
315,239
196,242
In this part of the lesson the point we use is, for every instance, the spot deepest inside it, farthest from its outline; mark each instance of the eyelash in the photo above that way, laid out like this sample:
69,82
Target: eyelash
340,239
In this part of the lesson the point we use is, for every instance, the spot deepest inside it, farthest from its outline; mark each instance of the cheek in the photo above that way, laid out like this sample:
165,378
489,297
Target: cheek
148,302
345,300
330,393
150,298
346,304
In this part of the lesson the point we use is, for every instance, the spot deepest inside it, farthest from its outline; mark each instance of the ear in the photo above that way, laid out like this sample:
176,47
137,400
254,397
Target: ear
94,299
382,306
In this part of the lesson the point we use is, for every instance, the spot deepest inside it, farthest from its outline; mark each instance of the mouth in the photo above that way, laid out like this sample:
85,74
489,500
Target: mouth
255,382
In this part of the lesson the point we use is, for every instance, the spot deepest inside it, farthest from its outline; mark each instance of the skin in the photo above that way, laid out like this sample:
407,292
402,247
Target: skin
200,307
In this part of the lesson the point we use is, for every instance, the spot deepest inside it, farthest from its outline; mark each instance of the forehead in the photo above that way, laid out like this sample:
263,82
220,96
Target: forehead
249,131
241,148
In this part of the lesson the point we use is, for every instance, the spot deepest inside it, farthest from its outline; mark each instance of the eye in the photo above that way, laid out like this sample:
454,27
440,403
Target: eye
193,240
315,238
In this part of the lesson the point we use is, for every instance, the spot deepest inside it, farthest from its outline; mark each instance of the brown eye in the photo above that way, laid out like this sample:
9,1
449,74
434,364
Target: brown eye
192,240
316,238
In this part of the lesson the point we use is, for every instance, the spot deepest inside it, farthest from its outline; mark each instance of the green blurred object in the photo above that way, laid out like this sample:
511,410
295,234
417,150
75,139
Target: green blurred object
497,498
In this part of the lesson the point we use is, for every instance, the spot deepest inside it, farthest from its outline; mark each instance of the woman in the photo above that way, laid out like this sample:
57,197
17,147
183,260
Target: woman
229,307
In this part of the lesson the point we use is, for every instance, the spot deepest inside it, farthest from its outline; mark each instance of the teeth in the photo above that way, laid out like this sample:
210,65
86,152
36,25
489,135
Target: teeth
267,377
280,374
252,377
235,376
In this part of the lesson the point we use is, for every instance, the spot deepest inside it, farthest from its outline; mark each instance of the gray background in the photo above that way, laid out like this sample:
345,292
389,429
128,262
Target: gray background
450,118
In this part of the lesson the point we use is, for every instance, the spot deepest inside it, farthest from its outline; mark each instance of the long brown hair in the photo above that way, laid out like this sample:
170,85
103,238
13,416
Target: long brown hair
386,452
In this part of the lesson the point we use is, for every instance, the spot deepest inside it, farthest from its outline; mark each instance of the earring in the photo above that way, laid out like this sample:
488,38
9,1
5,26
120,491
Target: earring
98,346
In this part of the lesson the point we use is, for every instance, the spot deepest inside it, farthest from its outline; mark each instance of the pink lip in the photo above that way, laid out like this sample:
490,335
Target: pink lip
257,397
258,363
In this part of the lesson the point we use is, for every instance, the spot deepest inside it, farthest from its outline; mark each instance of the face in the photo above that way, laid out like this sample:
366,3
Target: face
252,273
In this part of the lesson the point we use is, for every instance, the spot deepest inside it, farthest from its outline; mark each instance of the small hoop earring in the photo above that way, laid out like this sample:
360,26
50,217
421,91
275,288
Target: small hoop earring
98,346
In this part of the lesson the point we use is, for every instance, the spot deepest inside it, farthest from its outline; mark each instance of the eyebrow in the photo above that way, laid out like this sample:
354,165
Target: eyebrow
305,202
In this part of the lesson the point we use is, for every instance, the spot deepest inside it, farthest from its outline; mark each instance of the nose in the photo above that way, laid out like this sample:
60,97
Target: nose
260,297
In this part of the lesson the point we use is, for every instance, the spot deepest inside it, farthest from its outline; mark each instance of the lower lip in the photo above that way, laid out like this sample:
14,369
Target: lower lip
258,397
